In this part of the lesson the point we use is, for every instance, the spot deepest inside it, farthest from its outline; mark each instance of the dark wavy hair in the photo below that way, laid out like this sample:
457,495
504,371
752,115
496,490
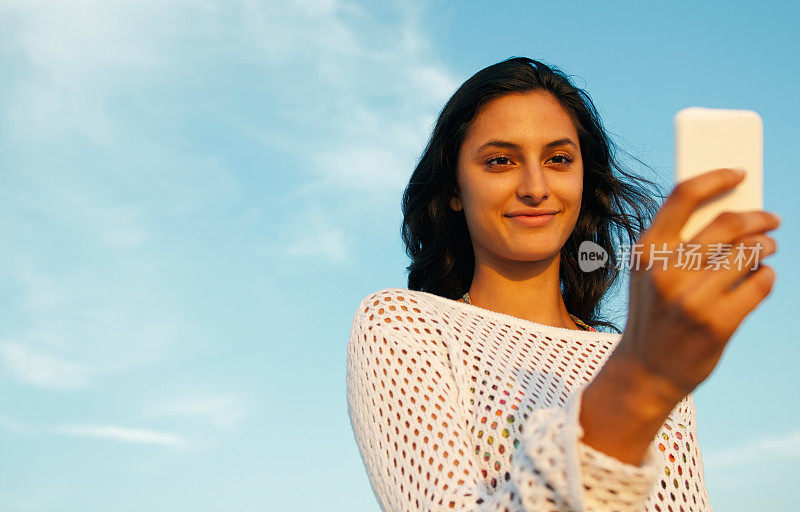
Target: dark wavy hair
614,202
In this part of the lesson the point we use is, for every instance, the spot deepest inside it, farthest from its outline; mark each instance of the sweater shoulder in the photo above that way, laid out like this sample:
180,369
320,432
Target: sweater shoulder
390,306
406,314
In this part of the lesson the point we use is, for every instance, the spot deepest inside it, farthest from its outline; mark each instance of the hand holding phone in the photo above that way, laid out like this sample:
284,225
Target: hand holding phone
683,312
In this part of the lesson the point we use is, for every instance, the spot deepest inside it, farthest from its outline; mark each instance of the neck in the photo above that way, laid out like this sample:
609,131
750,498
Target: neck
529,290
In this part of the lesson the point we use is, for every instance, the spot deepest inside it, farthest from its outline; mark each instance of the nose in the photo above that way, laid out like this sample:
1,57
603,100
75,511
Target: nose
532,184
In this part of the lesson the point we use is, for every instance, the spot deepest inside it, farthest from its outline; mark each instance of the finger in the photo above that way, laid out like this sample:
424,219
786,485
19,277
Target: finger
743,299
686,197
729,226
732,267
693,256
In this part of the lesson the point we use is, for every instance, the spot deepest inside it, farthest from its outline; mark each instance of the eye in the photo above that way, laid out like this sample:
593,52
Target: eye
566,159
502,160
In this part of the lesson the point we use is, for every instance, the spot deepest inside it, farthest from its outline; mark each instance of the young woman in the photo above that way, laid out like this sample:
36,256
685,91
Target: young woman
485,385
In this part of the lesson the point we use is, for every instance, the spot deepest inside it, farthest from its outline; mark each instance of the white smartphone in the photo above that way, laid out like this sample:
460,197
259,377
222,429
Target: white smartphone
710,138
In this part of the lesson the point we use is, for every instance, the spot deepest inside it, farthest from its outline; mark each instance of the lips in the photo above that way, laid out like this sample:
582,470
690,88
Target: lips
530,212
533,220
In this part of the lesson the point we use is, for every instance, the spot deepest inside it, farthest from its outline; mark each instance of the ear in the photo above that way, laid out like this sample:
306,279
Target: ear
455,203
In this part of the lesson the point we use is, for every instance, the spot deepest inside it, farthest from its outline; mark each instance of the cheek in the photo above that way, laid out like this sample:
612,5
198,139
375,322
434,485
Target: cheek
577,194
569,190
485,195
485,201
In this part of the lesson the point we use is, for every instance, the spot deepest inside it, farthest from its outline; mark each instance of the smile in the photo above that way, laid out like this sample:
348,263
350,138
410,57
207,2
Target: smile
533,220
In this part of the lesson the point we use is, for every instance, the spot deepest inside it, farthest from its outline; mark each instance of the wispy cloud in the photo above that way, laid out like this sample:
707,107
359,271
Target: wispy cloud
78,59
318,238
99,107
368,90
77,324
764,449
88,184
27,366
221,410
123,434
352,96
12,425
107,432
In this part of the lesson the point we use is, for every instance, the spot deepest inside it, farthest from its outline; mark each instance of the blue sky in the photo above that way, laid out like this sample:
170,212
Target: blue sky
196,196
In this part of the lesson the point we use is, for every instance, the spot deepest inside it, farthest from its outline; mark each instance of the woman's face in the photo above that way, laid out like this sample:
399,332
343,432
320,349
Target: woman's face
520,153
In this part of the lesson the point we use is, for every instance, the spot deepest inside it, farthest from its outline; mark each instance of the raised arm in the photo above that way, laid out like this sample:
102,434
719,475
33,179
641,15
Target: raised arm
418,453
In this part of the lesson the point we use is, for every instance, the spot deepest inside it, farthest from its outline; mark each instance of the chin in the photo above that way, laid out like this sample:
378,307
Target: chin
536,253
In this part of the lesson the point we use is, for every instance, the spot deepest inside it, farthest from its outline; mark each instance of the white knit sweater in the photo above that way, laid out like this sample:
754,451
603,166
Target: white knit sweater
456,407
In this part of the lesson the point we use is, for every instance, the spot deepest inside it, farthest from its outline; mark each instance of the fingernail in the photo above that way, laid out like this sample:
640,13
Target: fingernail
739,173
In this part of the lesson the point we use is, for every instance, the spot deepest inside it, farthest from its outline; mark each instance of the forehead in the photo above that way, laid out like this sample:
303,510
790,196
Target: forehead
524,117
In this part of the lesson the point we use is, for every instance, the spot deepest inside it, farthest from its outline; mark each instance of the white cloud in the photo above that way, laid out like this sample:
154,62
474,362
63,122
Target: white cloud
99,431
370,90
78,56
221,410
63,202
38,369
88,183
765,449
318,239
83,323
349,98
12,425
366,85
122,434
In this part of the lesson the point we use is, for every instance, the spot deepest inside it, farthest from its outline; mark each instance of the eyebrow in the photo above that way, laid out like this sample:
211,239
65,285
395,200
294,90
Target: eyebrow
511,145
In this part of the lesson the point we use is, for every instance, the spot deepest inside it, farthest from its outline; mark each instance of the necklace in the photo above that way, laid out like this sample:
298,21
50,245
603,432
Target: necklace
580,323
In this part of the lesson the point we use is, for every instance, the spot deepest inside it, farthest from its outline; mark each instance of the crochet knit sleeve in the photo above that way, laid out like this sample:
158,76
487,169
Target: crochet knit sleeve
416,446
